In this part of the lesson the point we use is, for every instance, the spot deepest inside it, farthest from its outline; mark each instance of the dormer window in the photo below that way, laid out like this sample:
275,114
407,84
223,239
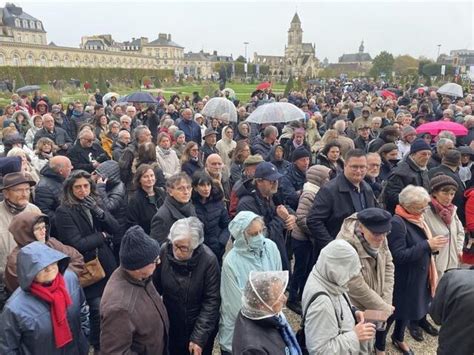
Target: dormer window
25,24
17,22
38,25
32,25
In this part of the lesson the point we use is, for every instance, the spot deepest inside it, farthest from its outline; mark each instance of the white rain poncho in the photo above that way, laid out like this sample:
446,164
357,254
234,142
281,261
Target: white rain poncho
262,291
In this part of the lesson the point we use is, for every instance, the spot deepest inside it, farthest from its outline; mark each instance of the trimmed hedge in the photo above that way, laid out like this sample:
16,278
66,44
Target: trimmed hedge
43,75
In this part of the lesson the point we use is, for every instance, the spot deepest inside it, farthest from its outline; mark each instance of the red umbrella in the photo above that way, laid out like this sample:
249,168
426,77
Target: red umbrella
264,85
388,94
434,128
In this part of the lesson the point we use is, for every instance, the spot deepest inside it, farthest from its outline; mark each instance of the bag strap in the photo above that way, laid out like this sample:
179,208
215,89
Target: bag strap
313,298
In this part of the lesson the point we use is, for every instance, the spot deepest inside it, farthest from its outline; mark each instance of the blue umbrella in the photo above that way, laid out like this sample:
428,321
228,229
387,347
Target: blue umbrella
140,96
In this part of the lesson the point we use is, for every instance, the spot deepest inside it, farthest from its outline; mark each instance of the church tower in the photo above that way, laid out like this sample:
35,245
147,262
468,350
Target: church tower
295,33
361,47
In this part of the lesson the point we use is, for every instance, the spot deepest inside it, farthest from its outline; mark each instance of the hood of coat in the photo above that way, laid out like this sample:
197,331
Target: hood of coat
21,227
24,113
241,132
33,258
110,170
337,264
318,175
237,227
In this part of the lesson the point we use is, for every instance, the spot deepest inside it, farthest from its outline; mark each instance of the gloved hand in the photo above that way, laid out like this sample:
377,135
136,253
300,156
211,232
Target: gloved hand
91,204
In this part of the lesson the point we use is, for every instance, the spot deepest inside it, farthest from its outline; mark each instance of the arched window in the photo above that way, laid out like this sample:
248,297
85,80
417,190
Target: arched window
77,61
32,25
38,25
43,61
66,61
2,59
56,61
17,22
30,60
16,61
25,24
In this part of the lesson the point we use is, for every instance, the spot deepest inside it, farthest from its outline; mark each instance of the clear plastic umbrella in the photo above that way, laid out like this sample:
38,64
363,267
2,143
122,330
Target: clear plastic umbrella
276,112
221,108
451,89
230,91
109,95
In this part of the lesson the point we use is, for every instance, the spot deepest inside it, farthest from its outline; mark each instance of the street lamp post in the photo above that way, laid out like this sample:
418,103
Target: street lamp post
439,48
245,65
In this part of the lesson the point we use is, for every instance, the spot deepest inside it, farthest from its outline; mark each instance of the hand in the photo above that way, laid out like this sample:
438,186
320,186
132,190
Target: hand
101,180
360,316
91,204
364,331
95,163
282,212
64,146
290,222
438,242
194,349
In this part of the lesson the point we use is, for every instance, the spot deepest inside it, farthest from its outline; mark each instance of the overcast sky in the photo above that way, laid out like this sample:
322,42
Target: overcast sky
400,27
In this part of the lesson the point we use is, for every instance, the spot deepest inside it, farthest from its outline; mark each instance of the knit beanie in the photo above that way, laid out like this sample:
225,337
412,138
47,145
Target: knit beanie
452,158
299,153
418,145
137,249
439,181
178,133
408,130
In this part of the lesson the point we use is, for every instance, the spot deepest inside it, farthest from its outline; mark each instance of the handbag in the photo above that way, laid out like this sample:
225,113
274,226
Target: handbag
93,272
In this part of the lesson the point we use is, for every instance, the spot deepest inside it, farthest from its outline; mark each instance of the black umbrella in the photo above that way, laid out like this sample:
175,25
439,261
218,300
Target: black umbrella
141,96
28,88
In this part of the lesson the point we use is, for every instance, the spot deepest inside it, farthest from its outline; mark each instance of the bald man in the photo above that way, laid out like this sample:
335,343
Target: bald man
49,188
86,154
216,169
191,128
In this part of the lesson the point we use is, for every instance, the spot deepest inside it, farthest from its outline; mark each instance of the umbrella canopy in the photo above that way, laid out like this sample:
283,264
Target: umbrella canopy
28,88
221,108
230,91
276,112
264,85
388,94
109,95
140,96
451,89
434,128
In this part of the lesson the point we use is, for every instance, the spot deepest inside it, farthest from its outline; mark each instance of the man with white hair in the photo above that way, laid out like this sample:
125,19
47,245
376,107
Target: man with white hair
442,146
345,142
469,124
131,112
58,135
122,141
126,123
86,154
191,129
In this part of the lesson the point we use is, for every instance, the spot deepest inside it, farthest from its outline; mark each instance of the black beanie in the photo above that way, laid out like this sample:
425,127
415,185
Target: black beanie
137,249
299,153
418,145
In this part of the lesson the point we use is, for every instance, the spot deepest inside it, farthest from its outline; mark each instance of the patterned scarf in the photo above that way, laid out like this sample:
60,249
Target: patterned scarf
288,336
446,213
419,221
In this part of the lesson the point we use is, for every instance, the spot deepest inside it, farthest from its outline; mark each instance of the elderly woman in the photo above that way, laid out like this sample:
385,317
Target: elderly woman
177,205
442,219
45,149
208,200
167,159
372,289
26,166
329,322
188,278
46,314
252,251
28,227
30,134
87,227
330,156
412,246
261,326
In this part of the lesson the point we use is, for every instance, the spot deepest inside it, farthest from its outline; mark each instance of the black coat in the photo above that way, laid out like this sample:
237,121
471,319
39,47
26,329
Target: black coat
191,294
459,200
259,146
167,214
289,148
213,214
47,195
332,204
81,157
411,256
291,185
59,136
404,174
141,211
76,230
207,150
117,149
257,337
152,123
452,308
191,166
251,200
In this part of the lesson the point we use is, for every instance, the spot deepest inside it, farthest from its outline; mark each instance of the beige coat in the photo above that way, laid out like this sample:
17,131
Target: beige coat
373,287
225,147
448,256
7,242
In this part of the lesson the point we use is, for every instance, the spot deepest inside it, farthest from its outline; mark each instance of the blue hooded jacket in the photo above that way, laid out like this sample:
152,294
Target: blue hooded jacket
235,272
25,324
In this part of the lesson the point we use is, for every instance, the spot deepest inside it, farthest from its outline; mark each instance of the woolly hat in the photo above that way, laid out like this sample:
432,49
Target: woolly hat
439,181
253,160
299,153
178,133
452,157
407,131
137,249
418,145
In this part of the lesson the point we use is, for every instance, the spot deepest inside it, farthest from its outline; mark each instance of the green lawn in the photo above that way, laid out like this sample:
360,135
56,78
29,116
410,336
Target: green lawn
242,91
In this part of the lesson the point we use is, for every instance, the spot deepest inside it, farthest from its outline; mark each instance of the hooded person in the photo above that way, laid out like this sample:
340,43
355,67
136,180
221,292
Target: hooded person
22,121
46,314
261,326
252,251
276,158
226,145
330,324
29,227
133,317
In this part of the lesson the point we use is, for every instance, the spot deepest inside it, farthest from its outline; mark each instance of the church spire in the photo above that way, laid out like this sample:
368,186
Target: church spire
296,19
361,47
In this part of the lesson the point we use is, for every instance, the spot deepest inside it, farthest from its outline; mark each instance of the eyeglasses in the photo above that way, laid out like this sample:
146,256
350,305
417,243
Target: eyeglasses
182,248
183,188
87,140
254,234
375,165
358,167
157,260
19,190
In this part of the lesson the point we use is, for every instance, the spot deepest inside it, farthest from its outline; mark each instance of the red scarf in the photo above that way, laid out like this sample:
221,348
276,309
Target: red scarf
446,213
58,297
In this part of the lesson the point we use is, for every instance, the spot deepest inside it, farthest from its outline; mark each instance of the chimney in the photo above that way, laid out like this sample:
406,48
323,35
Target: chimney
214,52
144,40
162,36
169,36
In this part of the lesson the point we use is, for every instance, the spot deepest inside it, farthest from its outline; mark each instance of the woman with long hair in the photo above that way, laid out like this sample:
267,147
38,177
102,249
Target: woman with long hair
190,161
239,154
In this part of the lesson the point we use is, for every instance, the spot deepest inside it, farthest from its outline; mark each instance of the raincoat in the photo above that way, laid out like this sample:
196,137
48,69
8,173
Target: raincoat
235,271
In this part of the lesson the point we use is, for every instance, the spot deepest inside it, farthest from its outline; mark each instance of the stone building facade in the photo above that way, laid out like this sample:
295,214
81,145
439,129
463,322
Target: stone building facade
23,42
299,58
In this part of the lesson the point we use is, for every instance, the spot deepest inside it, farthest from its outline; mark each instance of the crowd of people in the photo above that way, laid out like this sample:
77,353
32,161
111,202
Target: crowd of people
152,229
